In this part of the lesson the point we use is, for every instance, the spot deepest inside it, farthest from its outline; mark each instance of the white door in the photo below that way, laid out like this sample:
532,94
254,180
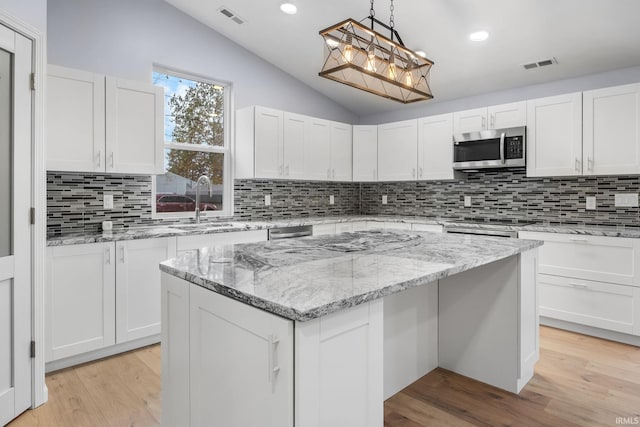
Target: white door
294,133
470,120
435,147
554,136
15,231
341,164
365,153
317,150
398,151
134,127
268,143
507,115
611,144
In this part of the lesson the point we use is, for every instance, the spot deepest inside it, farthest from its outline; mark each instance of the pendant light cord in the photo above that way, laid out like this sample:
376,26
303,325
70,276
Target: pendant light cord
392,23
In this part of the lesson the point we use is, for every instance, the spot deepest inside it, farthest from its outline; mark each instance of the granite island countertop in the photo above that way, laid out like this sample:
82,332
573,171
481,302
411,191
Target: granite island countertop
305,278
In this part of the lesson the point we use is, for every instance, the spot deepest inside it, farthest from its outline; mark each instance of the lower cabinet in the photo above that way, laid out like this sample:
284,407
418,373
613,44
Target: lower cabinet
102,294
80,299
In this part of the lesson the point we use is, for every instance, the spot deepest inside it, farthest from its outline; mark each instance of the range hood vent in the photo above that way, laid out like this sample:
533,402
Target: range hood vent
539,64
231,15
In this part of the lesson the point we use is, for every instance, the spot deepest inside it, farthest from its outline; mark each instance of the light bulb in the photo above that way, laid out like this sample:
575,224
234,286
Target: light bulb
371,58
408,80
348,50
392,66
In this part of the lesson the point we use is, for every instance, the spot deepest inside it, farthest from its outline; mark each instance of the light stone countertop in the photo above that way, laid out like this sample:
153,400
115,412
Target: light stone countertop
146,232
309,277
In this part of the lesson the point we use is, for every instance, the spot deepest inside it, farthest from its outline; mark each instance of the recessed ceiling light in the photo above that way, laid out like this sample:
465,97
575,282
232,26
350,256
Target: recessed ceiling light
288,8
478,36
421,53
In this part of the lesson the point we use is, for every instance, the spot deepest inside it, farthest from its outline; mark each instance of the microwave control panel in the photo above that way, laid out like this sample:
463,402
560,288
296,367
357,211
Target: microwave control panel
514,147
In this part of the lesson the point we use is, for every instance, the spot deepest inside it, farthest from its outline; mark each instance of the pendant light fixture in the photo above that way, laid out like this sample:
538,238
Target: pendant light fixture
361,57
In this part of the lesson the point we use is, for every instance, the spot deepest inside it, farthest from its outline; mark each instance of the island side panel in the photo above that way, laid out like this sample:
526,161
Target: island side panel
529,317
175,350
478,323
410,336
339,368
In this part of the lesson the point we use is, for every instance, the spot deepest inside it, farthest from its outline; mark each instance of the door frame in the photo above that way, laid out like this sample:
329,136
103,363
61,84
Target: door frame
39,392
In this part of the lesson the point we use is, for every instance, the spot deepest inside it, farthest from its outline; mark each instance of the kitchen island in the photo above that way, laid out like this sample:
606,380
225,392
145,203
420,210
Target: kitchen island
319,331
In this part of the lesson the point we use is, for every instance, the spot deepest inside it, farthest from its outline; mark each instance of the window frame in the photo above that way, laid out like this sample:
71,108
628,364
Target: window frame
226,150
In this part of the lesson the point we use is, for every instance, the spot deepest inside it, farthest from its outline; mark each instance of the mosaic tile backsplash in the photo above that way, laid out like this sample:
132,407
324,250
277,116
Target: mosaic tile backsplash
74,201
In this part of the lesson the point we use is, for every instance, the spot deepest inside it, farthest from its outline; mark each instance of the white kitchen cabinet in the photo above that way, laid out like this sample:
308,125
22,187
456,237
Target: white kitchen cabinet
317,149
494,117
397,151
259,143
75,120
365,153
293,145
611,131
341,152
134,127
197,241
80,299
435,147
138,286
103,124
248,350
554,136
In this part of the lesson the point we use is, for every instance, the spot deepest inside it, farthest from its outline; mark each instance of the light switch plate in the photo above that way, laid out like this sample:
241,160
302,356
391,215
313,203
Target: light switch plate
332,199
267,199
108,201
591,203
384,199
467,201
626,200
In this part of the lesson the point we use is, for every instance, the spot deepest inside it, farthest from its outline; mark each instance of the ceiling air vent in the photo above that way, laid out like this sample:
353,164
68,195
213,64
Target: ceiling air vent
231,15
538,64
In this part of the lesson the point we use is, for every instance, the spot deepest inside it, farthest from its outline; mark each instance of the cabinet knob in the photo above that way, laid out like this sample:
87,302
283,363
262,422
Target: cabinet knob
286,170
577,165
421,173
111,157
589,163
280,170
329,173
413,173
333,173
99,158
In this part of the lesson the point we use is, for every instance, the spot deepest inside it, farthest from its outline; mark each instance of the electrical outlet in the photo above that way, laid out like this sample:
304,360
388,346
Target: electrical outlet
591,203
384,199
108,201
467,201
626,200
267,199
332,199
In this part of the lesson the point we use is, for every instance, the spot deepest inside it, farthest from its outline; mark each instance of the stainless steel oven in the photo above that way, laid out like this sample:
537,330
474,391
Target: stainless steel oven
498,148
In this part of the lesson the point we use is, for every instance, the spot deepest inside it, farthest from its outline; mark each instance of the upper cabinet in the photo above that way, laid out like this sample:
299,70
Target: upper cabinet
365,153
275,144
435,147
495,117
103,124
611,130
554,136
397,151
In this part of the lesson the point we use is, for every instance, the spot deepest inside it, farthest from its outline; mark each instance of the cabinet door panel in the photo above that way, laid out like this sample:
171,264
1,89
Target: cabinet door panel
75,120
268,140
235,350
612,130
134,127
294,134
317,150
554,136
138,286
365,153
507,115
470,120
397,151
80,295
435,147
341,148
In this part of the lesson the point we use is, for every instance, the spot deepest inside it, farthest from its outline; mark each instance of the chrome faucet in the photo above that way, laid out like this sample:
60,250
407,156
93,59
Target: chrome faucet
202,179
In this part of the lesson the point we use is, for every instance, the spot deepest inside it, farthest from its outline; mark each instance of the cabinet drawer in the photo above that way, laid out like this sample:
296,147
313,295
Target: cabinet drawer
185,243
603,259
601,305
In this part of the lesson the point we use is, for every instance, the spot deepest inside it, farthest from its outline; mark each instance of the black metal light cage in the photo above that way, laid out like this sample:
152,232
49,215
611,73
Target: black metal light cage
365,59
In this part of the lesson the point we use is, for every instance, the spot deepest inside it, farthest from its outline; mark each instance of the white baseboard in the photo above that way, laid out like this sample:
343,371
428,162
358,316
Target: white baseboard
56,365
589,330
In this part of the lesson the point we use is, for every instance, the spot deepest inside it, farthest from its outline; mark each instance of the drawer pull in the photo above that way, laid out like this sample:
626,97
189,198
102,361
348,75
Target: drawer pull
579,285
579,240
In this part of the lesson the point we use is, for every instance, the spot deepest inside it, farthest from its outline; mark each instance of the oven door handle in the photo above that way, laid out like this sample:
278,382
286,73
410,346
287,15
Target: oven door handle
502,160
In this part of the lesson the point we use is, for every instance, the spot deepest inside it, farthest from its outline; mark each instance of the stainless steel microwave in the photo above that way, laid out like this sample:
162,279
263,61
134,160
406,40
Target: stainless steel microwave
497,148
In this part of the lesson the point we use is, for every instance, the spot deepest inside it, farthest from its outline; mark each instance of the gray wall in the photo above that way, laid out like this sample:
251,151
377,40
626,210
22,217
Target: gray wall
428,108
32,12
124,38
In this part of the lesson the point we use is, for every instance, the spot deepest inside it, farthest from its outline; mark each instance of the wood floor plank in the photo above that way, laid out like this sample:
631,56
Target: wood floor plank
579,381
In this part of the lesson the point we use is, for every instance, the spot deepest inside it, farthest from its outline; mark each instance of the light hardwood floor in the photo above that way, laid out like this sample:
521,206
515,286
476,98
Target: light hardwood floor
579,381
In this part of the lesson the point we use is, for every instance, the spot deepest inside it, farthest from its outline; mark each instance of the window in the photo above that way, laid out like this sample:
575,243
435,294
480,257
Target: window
196,134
